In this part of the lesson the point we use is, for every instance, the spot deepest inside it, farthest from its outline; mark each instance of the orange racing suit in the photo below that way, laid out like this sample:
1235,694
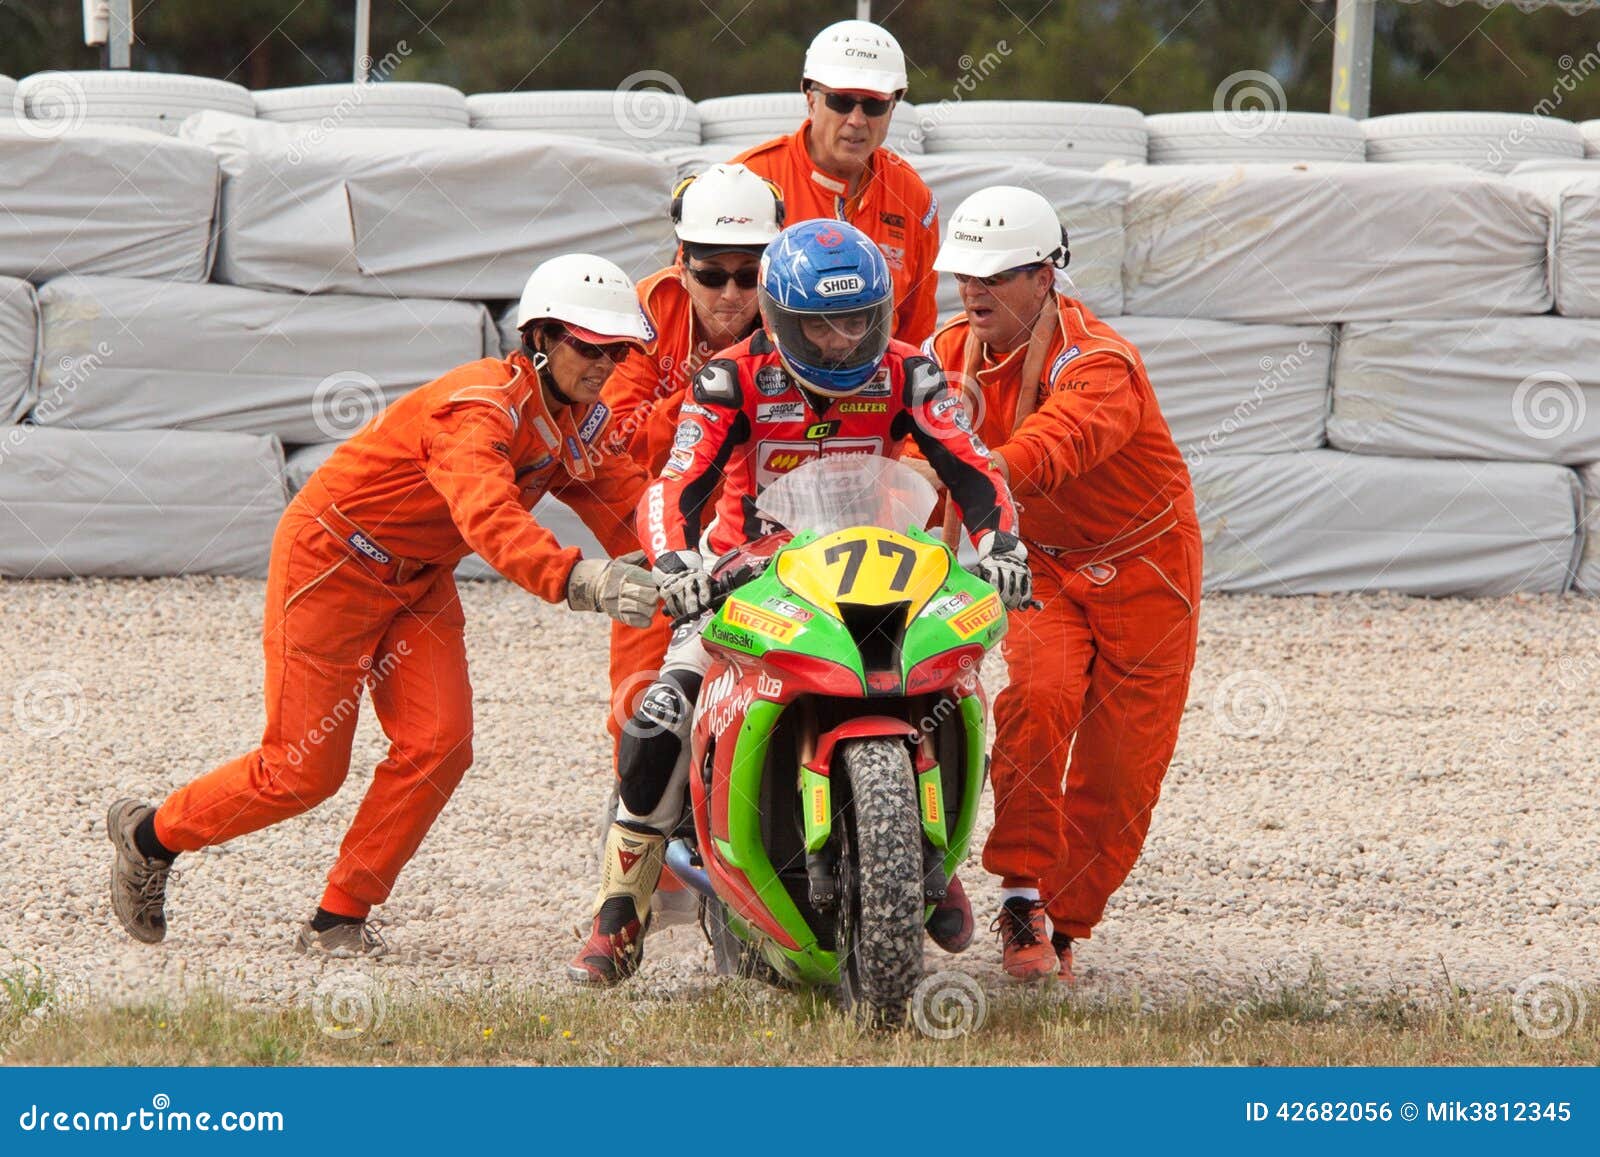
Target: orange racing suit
361,596
1102,671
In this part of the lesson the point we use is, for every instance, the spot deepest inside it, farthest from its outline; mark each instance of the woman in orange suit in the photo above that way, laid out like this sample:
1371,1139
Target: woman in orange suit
361,597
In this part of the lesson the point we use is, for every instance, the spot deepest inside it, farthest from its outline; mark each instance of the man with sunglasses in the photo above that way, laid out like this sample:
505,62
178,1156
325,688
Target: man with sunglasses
703,302
835,165
361,597
1102,671
821,377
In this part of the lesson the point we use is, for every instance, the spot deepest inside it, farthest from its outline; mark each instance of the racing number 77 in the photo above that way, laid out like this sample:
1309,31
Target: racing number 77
854,552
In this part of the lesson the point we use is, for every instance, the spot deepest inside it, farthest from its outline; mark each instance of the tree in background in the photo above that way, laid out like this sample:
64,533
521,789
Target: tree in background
1156,55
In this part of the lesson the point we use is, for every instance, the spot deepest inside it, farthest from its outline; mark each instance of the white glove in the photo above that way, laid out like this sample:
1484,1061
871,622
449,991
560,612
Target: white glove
1003,564
685,585
625,592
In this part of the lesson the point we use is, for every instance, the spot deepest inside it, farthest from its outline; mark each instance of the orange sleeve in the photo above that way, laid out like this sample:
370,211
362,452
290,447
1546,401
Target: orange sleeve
918,315
468,465
606,501
1092,411
631,393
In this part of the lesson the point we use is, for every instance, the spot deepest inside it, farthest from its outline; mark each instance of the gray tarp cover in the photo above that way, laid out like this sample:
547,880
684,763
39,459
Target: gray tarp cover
78,502
1589,567
1236,389
1505,389
1089,204
425,212
104,199
216,357
1330,242
1572,191
19,326
1322,520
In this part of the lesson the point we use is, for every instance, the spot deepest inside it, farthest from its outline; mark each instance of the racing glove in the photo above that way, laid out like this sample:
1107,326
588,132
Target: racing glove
1003,564
685,585
625,592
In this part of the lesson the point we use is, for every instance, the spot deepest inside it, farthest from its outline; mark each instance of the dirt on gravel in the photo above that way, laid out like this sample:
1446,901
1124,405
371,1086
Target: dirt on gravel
1400,793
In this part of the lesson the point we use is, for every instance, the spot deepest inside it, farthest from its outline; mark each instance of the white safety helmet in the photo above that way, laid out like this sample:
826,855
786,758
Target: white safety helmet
858,55
727,207
1000,228
587,294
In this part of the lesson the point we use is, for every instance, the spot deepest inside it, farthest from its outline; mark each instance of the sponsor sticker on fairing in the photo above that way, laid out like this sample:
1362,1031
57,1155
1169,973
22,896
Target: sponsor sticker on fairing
689,433
742,614
975,618
771,381
950,604
789,611
780,411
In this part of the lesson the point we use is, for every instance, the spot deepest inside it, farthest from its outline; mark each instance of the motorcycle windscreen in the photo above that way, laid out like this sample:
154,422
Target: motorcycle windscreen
837,491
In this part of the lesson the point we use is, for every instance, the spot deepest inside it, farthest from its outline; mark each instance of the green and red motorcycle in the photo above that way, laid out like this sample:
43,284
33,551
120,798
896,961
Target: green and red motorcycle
838,757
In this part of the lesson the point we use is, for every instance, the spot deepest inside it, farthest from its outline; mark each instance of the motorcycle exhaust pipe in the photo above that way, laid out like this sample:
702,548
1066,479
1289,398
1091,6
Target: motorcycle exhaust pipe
680,861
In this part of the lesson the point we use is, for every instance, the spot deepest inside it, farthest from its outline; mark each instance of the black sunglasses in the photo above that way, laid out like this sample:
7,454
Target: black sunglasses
713,278
873,106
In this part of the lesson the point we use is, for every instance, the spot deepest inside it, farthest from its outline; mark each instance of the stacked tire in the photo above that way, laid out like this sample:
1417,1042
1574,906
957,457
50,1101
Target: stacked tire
647,119
1078,136
389,105
1235,137
156,101
1490,141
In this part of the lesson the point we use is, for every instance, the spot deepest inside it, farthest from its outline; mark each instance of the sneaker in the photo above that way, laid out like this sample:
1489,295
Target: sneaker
1026,952
951,925
138,884
342,941
1062,943
629,871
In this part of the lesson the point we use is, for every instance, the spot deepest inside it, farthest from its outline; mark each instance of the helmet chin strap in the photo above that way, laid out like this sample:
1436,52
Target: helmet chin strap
541,364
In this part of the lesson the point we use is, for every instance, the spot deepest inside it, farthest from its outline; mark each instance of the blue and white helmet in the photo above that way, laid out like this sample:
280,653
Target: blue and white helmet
828,305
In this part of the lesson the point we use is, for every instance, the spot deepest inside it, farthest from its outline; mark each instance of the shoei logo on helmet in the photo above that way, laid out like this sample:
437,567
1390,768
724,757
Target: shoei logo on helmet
830,238
840,286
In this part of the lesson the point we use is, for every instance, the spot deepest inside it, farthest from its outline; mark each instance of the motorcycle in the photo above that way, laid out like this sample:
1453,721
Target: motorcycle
837,754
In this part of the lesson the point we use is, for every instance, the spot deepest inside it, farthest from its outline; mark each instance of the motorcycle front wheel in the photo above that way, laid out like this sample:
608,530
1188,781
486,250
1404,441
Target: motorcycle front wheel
878,930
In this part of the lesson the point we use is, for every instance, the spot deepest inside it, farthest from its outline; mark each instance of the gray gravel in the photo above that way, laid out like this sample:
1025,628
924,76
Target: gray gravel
1388,789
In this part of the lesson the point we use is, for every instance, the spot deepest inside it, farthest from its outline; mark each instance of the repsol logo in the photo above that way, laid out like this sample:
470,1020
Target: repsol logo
656,511
840,286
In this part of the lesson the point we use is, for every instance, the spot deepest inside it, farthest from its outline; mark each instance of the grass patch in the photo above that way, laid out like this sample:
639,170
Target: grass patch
352,1019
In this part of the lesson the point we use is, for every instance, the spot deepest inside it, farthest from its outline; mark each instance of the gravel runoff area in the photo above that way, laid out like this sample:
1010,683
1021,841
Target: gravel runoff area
1400,792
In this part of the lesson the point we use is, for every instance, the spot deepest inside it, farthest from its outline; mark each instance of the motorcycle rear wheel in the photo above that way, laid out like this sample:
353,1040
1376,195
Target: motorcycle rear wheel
878,929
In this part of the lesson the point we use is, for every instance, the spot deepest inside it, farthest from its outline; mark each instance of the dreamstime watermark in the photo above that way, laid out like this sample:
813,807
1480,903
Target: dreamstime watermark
345,401
345,709
1547,1005
54,105
348,1004
1547,404
1249,705
1573,676
649,104
377,72
1250,1007
57,384
47,704
1250,103
974,71
1573,74
949,1004
1275,372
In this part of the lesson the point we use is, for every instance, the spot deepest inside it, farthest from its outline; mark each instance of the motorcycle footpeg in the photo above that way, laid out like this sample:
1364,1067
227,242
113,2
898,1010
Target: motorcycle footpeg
822,879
